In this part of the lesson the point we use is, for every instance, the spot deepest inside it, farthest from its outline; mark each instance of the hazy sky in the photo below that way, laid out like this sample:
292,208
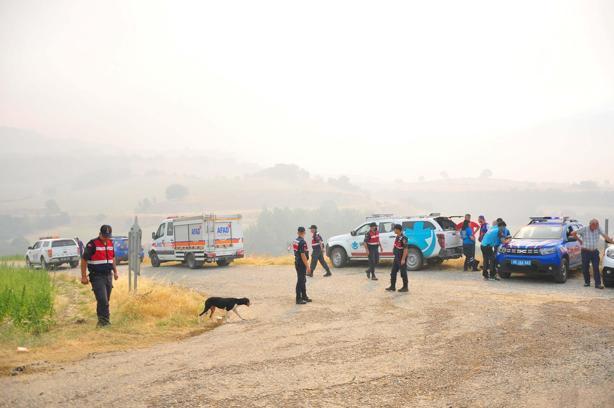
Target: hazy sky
372,89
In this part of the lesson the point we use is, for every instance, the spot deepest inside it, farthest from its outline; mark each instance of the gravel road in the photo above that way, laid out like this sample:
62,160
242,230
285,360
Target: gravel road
454,340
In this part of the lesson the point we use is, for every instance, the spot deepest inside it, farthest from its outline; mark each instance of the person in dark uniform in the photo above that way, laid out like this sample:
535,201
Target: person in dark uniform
301,264
372,245
400,260
99,258
317,246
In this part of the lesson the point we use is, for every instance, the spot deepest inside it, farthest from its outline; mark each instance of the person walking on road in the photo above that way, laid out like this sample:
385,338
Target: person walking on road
373,246
99,260
400,260
468,236
588,236
301,264
317,251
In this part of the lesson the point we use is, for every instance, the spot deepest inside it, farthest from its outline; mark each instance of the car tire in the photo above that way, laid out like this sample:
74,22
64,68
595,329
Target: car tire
155,261
560,276
338,257
608,283
28,262
414,259
505,275
223,262
44,264
191,261
74,264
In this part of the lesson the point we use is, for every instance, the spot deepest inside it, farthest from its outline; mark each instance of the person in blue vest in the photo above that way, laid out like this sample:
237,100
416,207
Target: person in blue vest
490,244
468,236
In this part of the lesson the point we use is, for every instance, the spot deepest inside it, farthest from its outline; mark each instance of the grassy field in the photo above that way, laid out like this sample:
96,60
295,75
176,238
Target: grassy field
26,298
157,314
8,258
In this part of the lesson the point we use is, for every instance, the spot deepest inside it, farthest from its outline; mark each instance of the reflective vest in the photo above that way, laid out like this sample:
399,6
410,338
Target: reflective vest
316,240
372,238
102,256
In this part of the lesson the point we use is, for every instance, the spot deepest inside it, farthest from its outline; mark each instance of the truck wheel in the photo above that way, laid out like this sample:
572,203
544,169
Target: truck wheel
28,262
74,264
608,282
223,262
44,264
191,261
414,259
155,261
560,276
338,257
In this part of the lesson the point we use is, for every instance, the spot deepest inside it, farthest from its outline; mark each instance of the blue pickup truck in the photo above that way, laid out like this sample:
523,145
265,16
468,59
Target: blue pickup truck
120,247
544,246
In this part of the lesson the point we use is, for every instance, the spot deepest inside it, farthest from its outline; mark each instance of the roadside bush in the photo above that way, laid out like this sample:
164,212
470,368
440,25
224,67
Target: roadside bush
26,298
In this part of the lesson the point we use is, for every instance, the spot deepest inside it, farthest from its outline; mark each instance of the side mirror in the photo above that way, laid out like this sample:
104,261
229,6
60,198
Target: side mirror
30,247
353,233
153,235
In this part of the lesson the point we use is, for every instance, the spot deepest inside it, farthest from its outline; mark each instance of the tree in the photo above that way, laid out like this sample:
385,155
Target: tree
52,207
176,192
486,173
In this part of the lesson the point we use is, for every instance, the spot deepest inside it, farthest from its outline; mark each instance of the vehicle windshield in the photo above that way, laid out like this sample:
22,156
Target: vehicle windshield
446,223
540,232
63,243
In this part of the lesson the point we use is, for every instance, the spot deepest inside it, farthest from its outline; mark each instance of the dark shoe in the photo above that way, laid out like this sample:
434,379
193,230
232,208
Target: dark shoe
495,278
308,300
485,278
599,287
373,277
475,266
310,274
102,323
328,274
391,289
301,302
404,289
587,284
464,269
368,275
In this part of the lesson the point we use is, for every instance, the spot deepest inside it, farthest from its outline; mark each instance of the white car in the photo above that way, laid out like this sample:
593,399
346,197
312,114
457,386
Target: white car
432,239
608,267
52,252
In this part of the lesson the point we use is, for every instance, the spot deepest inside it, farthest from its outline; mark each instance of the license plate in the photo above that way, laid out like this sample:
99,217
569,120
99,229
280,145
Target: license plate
521,262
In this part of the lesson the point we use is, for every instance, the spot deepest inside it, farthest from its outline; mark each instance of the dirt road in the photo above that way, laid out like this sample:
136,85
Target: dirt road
454,340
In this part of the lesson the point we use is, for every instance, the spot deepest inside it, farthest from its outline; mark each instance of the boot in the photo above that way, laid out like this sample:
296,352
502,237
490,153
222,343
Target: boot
373,277
404,289
391,289
475,265
328,274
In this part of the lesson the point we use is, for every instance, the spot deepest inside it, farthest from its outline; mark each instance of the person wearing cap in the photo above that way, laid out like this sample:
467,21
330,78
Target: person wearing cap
372,244
99,259
400,260
301,264
317,253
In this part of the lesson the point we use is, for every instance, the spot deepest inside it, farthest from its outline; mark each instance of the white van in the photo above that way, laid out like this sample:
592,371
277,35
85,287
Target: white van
432,239
199,239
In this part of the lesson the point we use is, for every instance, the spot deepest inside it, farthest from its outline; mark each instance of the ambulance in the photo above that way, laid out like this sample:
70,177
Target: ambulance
197,240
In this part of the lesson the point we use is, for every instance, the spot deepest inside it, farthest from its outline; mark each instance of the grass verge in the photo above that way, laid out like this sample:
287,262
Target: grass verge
157,314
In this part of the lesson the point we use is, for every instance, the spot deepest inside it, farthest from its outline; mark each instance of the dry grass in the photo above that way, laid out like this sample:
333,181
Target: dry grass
260,260
157,314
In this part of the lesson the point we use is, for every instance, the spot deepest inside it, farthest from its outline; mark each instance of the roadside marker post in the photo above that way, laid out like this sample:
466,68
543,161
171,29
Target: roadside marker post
134,252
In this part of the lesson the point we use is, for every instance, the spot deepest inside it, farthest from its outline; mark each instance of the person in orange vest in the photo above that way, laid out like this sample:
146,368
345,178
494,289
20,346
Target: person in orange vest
372,245
99,260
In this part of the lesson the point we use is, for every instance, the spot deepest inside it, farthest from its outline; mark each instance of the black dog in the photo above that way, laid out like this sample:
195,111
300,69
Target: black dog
227,304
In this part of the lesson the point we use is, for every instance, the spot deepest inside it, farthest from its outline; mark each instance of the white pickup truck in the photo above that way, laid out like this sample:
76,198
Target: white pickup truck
52,252
199,239
432,239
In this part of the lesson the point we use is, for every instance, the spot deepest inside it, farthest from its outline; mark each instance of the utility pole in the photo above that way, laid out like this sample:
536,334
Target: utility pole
134,255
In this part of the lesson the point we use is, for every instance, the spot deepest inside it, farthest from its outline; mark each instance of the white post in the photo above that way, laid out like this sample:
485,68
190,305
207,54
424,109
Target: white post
134,252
